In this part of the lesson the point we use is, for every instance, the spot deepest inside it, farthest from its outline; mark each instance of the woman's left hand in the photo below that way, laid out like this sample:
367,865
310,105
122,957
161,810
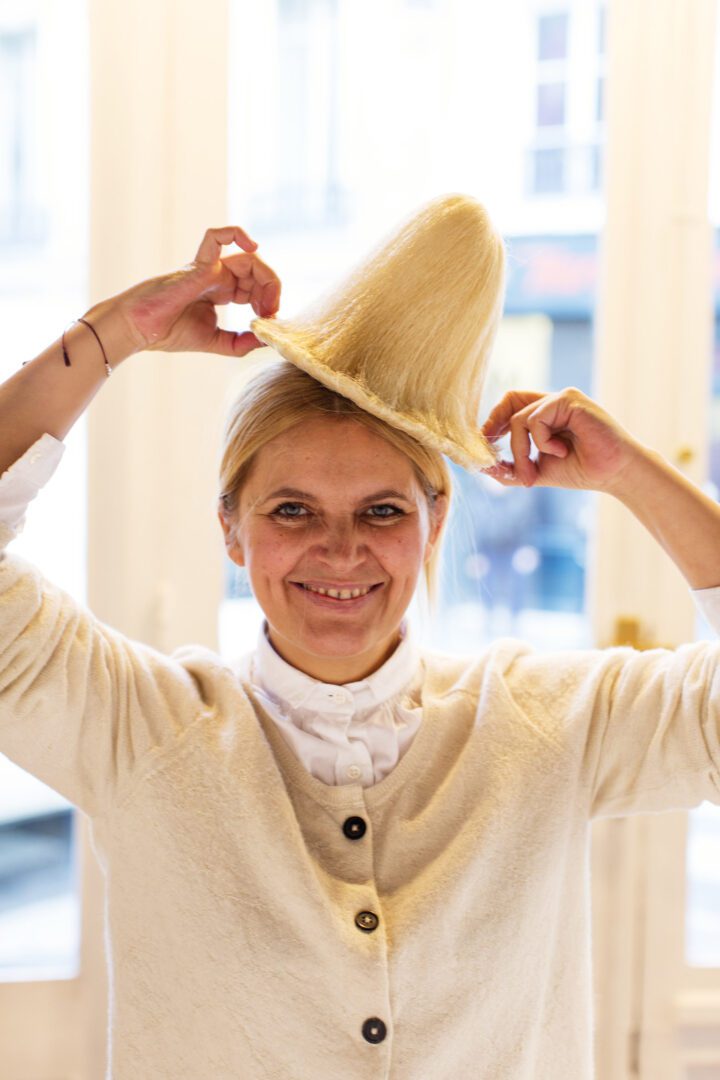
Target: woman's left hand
579,444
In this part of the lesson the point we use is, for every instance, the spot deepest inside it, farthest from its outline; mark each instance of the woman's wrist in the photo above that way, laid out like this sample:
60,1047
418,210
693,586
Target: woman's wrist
120,339
635,478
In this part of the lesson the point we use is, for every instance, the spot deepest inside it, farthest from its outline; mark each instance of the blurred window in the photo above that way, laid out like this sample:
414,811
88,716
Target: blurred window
566,146
553,37
43,240
702,927
551,105
22,218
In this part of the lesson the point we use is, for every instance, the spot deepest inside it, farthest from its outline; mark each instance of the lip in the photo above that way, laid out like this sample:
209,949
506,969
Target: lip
331,604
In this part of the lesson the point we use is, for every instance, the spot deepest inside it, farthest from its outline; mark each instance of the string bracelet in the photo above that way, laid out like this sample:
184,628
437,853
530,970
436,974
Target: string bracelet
108,369
66,358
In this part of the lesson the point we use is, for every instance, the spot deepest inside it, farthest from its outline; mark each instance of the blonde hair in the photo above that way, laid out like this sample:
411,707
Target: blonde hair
280,396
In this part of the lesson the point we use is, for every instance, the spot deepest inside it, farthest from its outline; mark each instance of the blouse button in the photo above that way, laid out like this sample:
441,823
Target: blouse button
353,772
367,921
374,1030
354,828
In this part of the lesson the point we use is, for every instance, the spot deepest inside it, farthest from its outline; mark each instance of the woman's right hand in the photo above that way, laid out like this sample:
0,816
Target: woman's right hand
176,312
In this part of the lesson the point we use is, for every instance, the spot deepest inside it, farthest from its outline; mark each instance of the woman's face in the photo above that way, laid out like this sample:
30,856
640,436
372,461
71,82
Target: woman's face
332,504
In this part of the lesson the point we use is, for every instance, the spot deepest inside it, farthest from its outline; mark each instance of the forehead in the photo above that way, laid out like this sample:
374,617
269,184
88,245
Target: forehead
330,454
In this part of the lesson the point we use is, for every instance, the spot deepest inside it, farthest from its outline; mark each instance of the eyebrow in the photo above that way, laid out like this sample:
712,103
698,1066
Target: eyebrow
296,493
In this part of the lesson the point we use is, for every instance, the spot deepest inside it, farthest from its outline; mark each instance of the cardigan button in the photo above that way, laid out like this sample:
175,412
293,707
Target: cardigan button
367,921
374,1030
354,828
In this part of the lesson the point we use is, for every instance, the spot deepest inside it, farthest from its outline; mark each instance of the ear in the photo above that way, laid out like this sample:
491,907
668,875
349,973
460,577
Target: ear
436,520
232,544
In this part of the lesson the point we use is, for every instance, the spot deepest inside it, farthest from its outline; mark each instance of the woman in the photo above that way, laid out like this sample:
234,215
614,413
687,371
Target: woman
345,856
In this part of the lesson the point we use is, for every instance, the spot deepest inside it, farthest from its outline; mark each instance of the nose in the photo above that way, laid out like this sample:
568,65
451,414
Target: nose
341,543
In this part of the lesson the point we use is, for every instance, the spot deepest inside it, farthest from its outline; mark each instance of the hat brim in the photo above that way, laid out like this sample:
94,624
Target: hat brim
474,454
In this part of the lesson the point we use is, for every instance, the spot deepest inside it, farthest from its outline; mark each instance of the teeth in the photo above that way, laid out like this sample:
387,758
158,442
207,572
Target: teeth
339,594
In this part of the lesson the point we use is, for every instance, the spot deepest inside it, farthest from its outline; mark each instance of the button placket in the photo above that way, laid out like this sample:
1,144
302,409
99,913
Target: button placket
374,1029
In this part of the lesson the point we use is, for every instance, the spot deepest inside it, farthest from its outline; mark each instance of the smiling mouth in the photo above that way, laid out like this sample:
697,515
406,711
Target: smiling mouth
339,595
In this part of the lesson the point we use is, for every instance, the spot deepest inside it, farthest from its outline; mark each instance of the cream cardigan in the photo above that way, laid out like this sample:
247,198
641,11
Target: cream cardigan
265,925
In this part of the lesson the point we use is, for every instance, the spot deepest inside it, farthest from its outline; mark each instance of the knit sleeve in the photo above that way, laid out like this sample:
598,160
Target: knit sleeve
638,731
81,705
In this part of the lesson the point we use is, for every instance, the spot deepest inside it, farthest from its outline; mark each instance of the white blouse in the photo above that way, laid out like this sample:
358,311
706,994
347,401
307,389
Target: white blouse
349,734
354,733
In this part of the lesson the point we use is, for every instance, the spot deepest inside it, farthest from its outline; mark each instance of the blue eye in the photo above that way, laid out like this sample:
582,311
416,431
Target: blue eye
396,511
281,511
277,511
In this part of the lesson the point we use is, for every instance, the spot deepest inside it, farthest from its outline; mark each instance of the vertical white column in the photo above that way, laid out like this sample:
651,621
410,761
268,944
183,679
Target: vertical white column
654,327
158,181
653,338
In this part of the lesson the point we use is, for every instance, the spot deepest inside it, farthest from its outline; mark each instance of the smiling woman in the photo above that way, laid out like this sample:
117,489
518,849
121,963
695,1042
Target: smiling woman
338,535
267,818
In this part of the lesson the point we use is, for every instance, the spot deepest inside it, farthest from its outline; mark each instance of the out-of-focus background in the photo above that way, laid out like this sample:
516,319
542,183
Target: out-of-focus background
592,133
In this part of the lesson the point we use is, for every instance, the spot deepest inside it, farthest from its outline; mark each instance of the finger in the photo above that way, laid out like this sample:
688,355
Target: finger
498,422
214,239
548,426
265,299
546,441
521,447
233,343
256,283
271,297
504,473
249,268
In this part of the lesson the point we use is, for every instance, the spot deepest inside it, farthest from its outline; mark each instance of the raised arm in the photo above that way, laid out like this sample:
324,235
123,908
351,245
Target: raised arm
81,705
174,312
581,446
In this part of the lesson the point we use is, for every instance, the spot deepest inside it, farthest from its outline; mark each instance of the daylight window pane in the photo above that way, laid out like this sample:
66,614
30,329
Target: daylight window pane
549,175
21,218
702,928
596,168
39,889
600,101
43,227
551,105
552,37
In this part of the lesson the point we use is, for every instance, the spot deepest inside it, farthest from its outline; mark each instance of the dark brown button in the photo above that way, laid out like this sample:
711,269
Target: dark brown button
374,1030
354,828
367,921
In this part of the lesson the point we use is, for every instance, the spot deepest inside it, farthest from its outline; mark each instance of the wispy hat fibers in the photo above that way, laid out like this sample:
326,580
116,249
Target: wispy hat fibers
407,334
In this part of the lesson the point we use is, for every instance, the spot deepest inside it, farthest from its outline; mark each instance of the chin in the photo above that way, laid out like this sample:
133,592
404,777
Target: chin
337,641
340,641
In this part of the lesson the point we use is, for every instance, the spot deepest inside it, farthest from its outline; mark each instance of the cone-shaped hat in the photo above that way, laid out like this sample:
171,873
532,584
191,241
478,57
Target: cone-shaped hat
408,333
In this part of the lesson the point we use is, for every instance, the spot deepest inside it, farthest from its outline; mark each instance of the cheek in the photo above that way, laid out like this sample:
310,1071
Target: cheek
400,550
266,550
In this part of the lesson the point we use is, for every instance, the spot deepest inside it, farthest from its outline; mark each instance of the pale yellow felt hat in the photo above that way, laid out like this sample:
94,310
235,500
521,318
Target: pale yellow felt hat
407,335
